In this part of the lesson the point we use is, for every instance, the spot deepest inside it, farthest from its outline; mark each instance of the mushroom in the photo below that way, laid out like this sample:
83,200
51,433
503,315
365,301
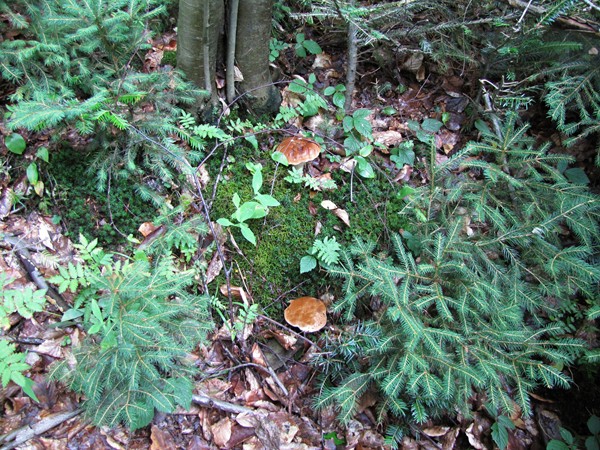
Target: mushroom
307,313
299,150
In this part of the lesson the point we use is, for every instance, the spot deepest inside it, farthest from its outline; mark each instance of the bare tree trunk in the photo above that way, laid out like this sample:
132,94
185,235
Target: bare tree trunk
199,28
231,44
252,55
352,61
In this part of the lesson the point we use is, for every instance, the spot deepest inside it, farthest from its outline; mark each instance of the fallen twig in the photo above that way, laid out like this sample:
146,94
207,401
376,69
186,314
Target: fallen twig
28,432
209,402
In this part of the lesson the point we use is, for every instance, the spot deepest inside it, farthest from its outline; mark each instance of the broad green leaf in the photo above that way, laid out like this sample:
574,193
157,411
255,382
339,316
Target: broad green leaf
307,263
247,233
555,444
348,123
413,125
365,151
252,140
361,113
236,200
363,127
329,90
280,158
312,47
224,222
404,154
266,200
250,210
431,125
95,328
482,126
388,111
592,443
32,173
593,424
257,181
96,310
15,143
339,99
364,169
300,38
405,191
71,314
352,145
42,153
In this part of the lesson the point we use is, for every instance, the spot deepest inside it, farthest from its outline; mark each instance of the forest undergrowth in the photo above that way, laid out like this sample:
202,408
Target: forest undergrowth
446,221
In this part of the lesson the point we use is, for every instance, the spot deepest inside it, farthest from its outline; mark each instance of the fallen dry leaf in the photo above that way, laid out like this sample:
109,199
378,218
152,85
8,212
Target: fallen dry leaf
404,173
388,138
161,439
221,432
322,61
147,228
214,268
338,212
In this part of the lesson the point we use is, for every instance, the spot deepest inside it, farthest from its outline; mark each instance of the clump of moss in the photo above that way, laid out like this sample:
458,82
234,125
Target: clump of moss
272,268
85,210
169,58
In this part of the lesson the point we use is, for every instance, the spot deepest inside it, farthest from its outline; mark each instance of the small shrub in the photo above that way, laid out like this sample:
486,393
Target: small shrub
142,323
470,311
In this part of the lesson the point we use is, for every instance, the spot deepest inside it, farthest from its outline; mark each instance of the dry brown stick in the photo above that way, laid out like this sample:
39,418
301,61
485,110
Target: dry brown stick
28,432
210,402
25,257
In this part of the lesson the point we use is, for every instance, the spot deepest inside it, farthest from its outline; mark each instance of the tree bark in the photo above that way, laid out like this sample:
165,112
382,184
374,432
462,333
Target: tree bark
252,55
199,28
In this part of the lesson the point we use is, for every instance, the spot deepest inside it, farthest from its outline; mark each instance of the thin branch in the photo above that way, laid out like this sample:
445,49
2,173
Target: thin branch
28,432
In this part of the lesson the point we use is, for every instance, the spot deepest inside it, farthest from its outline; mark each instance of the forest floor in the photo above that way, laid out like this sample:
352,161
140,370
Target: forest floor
257,392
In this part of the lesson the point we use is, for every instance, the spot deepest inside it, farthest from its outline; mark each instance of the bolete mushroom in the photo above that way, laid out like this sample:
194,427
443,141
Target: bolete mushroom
307,313
298,150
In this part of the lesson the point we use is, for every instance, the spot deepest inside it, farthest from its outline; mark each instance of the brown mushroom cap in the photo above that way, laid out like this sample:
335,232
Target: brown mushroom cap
299,150
307,313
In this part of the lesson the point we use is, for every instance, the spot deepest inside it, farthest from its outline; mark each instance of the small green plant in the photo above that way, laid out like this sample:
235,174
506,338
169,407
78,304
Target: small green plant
471,310
569,442
338,93
246,316
275,47
141,321
254,209
312,100
304,46
297,176
403,154
16,144
425,130
358,141
12,366
24,301
325,251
